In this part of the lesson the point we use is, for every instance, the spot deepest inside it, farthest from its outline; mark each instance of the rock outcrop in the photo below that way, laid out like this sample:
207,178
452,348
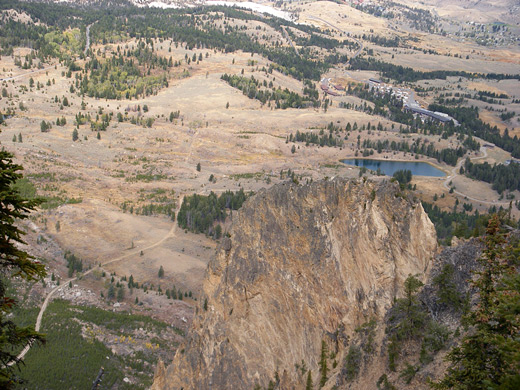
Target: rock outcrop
303,264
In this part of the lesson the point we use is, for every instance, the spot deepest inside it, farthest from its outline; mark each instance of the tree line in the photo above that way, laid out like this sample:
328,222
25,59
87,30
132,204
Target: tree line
502,177
199,213
128,74
282,98
407,74
471,124
320,138
449,156
455,223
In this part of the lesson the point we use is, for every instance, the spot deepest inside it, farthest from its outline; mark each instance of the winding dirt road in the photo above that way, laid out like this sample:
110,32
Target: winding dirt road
290,40
454,173
87,41
171,233
26,74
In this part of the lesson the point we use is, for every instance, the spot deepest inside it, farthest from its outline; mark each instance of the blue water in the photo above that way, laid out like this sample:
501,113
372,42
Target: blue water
389,167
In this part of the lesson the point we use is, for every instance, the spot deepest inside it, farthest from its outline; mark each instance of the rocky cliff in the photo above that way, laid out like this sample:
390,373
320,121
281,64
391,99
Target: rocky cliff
303,265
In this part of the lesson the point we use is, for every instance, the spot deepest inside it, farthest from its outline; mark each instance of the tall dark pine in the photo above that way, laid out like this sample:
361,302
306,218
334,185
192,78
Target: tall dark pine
14,262
488,356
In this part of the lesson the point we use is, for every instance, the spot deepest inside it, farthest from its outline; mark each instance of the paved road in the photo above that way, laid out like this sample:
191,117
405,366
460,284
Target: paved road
171,233
454,173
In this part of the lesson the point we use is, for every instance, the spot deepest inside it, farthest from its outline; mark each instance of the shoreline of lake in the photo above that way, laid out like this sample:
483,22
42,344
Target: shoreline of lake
431,170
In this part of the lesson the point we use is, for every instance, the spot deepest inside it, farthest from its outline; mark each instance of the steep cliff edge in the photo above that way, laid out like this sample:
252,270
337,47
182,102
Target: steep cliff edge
303,264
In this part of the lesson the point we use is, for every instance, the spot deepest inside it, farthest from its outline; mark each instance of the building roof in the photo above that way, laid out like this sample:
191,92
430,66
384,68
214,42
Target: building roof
439,116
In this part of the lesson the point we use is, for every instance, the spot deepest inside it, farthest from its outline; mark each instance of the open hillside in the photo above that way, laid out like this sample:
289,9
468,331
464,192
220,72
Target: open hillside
143,127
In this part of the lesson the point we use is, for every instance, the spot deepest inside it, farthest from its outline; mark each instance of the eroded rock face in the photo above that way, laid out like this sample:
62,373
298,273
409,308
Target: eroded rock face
303,263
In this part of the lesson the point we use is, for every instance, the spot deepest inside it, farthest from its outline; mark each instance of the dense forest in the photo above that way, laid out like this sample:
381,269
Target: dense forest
502,177
403,177
74,264
128,74
424,147
406,74
267,93
471,124
382,40
320,138
196,27
453,223
73,353
199,213
317,40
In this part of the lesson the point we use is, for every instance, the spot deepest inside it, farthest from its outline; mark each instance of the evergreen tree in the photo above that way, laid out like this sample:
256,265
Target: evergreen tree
414,315
407,320
111,293
308,386
120,293
14,263
43,126
75,135
488,357
161,272
323,364
403,176
218,231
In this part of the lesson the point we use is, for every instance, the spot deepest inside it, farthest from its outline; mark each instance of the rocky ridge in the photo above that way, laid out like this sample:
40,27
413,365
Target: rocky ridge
303,265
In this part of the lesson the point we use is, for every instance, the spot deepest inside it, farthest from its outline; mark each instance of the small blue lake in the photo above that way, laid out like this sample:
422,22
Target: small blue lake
390,167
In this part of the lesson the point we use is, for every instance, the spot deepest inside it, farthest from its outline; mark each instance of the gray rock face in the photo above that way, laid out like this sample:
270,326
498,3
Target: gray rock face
303,262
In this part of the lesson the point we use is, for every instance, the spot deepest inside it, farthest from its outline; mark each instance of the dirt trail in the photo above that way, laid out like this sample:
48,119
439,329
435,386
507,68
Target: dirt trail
87,43
290,40
456,169
26,74
171,233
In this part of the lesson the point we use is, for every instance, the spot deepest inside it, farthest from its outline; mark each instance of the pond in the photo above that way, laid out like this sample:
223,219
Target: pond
389,167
